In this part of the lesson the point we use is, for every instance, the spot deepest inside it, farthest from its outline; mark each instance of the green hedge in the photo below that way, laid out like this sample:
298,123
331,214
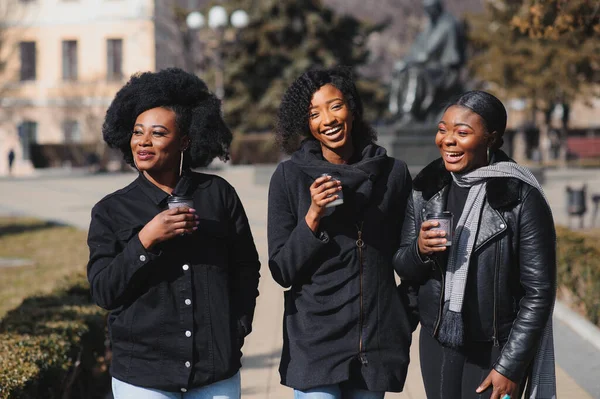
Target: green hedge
578,261
53,346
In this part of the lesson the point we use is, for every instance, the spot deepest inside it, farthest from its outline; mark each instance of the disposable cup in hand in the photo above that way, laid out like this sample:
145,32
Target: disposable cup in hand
180,202
445,222
340,199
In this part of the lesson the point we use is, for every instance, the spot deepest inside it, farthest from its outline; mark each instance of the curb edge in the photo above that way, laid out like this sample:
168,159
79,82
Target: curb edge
584,328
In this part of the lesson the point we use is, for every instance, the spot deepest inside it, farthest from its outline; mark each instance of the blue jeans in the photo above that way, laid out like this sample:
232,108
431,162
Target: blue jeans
226,389
336,392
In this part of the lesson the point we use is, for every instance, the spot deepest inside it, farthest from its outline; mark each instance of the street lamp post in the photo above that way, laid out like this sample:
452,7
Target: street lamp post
218,21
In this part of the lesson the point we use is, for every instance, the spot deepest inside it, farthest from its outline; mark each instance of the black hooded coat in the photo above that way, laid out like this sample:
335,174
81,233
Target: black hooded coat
344,319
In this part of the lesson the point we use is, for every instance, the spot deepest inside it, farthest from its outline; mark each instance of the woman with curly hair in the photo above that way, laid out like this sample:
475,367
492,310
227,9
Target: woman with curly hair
346,329
180,283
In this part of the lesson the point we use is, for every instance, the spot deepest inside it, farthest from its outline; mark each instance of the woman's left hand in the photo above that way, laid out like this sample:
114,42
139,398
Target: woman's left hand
501,385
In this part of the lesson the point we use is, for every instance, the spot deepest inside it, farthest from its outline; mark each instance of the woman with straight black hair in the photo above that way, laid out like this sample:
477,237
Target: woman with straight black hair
346,329
485,294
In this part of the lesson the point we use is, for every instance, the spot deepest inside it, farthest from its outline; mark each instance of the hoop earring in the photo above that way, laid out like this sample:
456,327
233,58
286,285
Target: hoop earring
488,155
181,163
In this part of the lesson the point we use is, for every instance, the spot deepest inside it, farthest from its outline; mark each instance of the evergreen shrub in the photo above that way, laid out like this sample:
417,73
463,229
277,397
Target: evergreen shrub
578,268
52,346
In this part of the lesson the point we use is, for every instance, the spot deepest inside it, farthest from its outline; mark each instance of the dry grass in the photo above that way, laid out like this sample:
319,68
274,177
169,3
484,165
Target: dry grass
594,234
56,252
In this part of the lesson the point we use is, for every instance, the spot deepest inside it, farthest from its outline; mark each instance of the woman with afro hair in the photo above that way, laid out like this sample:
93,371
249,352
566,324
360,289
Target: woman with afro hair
346,327
180,283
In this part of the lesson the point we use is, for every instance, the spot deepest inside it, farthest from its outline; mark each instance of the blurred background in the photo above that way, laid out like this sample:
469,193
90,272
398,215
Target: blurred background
62,61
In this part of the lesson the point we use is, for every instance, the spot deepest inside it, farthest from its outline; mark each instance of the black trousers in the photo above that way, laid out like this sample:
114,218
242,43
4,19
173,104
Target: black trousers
456,373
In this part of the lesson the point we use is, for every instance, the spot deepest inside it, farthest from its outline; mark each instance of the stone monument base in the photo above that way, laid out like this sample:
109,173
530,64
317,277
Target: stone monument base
412,143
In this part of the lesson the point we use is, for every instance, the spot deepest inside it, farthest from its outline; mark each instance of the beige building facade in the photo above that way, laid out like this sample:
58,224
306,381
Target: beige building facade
65,60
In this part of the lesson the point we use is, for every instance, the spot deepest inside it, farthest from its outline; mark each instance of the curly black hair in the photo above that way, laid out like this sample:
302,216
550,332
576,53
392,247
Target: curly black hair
292,125
197,114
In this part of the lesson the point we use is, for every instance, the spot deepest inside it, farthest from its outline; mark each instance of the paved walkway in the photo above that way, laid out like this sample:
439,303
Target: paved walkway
69,200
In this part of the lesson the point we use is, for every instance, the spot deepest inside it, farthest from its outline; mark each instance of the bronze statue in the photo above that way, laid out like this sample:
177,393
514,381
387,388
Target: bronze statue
431,70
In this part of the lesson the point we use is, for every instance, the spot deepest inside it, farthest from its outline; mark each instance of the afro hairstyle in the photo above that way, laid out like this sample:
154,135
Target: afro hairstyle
292,125
197,114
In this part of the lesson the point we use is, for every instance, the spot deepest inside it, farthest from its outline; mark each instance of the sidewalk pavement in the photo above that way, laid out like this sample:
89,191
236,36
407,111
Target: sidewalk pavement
68,199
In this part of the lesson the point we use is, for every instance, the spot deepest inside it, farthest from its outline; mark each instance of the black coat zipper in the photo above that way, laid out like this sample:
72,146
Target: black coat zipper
442,290
359,245
496,272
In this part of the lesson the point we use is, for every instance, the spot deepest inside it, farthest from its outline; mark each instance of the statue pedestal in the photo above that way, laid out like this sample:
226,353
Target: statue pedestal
412,143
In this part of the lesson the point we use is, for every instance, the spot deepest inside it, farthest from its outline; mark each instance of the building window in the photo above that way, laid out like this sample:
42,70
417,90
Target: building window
71,131
28,62
69,59
114,59
27,136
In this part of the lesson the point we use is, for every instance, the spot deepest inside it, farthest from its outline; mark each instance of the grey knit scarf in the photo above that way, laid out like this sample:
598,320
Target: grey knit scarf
543,381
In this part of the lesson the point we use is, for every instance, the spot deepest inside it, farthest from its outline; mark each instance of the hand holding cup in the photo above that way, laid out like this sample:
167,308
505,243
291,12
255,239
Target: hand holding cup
436,233
323,191
168,224
340,194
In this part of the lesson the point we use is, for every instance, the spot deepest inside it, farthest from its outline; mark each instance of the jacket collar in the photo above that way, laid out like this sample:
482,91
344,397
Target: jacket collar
187,185
155,194
501,192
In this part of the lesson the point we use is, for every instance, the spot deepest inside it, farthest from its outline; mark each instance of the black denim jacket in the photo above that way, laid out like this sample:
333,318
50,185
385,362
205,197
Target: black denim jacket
179,313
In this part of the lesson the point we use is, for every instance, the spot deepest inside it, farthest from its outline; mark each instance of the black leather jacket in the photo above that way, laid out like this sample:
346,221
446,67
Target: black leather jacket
511,284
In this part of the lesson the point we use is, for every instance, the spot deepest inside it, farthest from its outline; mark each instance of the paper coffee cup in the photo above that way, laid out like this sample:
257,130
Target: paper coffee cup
340,199
446,222
180,202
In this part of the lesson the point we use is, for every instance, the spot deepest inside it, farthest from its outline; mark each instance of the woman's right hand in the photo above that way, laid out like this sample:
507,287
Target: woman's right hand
319,193
431,241
168,224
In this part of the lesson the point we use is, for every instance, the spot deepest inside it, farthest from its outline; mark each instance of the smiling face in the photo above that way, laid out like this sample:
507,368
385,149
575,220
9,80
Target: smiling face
330,122
155,142
462,140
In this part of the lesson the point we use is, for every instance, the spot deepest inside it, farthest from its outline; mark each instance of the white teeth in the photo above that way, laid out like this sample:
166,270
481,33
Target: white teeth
332,130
